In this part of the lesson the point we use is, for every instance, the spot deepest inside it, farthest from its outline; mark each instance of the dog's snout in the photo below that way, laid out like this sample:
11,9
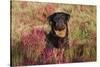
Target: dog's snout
60,26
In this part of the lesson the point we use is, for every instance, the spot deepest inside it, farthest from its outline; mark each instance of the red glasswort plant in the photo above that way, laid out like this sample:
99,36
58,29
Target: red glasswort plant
49,8
51,56
23,4
34,39
47,56
33,43
43,12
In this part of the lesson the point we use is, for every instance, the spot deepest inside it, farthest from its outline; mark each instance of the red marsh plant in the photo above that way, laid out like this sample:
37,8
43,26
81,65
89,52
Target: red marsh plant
39,11
23,4
43,12
46,56
33,44
49,8
51,56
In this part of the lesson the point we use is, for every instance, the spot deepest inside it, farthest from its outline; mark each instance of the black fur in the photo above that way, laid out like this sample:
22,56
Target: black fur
57,21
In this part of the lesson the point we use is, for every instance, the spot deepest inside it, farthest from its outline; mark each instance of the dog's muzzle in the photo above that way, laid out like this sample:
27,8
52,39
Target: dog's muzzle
61,33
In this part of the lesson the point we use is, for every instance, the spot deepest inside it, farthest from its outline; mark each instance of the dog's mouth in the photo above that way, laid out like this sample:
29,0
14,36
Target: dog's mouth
60,33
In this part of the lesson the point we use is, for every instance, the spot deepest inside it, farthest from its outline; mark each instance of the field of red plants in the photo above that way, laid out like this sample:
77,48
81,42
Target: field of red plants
29,25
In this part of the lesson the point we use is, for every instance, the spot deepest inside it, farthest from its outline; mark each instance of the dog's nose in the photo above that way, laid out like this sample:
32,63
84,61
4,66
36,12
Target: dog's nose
60,26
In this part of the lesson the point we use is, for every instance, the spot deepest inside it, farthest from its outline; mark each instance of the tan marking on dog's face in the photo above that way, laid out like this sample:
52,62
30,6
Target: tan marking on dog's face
61,33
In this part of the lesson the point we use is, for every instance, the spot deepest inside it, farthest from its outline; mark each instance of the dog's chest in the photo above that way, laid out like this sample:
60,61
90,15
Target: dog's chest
56,42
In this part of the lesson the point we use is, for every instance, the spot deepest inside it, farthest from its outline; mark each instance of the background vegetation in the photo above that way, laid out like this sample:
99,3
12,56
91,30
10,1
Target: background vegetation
28,24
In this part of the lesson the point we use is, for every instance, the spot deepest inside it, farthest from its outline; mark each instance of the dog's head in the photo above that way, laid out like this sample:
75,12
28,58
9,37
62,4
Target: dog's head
58,22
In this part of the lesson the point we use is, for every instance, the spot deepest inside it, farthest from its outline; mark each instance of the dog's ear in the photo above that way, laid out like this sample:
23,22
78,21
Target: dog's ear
67,17
50,19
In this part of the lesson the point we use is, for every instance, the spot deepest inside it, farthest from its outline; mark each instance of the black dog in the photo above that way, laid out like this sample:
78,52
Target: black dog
58,36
